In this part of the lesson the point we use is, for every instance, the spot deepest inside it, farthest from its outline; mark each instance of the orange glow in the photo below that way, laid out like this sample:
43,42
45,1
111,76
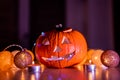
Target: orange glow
96,58
33,62
90,61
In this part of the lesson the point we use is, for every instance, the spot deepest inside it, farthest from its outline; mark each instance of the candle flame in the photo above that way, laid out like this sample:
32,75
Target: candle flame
90,61
33,62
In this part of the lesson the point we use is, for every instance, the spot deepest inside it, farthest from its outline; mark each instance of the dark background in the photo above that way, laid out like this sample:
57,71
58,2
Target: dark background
116,12
22,21
45,15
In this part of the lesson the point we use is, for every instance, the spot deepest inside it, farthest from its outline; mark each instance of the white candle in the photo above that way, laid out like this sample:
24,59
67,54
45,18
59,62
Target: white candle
89,66
34,68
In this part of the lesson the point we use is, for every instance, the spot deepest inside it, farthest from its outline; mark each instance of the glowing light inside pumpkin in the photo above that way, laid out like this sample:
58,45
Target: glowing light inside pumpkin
57,49
65,40
53,58
45,42
56,58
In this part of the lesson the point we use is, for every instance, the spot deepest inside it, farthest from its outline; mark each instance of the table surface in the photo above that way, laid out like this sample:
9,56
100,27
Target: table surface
74,73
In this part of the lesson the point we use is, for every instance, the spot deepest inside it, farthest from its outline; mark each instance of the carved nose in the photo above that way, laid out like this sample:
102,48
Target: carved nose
57,49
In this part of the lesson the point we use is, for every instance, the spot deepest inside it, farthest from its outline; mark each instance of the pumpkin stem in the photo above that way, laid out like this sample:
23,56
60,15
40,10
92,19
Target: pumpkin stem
59,27
13,45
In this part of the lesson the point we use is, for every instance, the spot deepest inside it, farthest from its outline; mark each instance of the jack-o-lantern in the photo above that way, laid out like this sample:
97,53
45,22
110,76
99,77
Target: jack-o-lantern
61,47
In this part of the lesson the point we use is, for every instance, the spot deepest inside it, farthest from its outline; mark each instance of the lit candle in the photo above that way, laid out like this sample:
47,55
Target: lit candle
34,67
89,66
90,75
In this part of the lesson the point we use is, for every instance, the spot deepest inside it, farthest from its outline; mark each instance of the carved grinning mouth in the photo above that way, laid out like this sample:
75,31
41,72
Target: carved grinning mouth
55,58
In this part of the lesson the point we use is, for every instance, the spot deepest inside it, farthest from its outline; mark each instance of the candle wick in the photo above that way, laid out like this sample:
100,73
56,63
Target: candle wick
90,61
33,62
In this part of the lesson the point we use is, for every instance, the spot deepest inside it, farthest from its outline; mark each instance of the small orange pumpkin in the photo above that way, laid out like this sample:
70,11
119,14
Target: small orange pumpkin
61,47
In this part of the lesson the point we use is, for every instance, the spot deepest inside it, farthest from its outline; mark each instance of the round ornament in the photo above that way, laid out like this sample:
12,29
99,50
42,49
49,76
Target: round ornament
22,59
21,56
110,58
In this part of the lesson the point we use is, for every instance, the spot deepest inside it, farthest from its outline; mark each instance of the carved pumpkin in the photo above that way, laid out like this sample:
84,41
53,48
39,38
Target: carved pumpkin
61,47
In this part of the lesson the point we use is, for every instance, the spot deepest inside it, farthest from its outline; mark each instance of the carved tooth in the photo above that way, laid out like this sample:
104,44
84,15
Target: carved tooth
69,56
55,58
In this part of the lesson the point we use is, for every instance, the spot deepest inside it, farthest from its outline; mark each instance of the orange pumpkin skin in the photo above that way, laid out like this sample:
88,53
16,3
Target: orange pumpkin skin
60,49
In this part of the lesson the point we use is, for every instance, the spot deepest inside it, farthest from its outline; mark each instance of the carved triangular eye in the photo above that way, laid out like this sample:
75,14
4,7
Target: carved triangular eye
57,49
65,40
45,42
